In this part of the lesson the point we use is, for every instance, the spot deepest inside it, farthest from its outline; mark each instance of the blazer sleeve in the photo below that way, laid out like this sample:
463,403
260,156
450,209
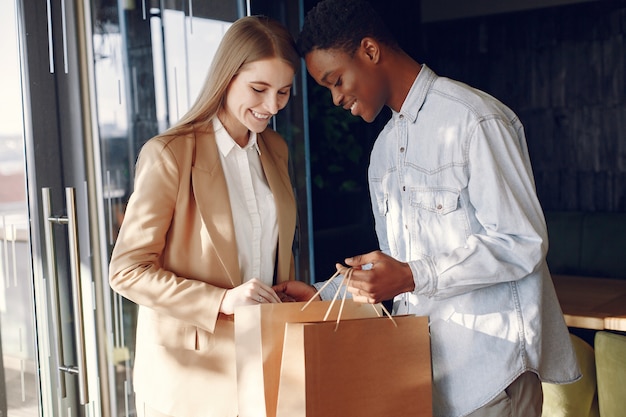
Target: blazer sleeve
136,270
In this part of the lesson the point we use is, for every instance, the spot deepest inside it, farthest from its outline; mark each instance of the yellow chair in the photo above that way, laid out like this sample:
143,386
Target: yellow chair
611,371
577,399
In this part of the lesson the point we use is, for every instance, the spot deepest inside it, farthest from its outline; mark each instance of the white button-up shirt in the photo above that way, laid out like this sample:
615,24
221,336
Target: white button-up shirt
252,204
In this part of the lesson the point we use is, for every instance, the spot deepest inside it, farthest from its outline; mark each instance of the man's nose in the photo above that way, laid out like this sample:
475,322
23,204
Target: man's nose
337,98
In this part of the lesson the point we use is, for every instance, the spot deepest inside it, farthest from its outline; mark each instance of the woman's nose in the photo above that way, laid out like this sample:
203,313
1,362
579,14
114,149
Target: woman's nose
271,104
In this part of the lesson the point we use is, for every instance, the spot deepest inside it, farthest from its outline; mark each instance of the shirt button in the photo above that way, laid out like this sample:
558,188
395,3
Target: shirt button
404,188
439,206
402,149
401,116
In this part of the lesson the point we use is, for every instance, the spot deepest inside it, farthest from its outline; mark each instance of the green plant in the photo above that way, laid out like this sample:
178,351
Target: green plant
338,164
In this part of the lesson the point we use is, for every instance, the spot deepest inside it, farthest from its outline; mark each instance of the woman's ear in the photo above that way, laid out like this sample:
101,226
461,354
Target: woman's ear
371,48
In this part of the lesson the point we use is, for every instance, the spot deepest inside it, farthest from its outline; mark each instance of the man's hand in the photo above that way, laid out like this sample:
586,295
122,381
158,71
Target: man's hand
386,278
296,290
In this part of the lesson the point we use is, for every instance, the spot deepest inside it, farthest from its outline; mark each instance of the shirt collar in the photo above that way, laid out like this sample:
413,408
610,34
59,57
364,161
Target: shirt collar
417,95
225,143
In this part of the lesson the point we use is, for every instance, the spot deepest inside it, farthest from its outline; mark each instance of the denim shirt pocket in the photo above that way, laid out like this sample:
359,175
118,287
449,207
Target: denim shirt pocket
388,226
438,220
383,204
436,200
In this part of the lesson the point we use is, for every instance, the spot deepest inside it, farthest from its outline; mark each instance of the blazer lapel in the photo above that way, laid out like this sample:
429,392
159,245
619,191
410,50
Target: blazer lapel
211,192
281,187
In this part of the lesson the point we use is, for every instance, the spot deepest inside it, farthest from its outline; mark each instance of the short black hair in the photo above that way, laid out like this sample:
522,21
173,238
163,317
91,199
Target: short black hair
342,24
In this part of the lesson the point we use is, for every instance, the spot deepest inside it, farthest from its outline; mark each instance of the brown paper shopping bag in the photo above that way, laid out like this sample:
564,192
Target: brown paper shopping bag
362,368
259,335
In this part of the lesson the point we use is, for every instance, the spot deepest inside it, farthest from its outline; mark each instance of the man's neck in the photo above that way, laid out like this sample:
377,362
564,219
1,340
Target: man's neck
402,74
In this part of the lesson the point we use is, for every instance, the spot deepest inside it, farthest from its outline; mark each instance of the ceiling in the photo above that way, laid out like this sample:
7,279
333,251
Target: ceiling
435,10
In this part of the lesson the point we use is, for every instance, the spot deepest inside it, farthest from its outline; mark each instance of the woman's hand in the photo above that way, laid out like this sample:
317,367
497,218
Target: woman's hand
295,290
248,293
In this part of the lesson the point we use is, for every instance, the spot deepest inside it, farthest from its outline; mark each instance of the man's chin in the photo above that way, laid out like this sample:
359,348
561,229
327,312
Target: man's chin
369,117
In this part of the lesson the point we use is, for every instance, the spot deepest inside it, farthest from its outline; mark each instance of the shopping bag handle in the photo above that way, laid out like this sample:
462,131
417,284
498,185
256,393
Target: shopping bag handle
347,276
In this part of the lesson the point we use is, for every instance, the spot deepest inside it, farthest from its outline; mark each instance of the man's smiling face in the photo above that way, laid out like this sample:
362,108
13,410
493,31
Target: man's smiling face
354,81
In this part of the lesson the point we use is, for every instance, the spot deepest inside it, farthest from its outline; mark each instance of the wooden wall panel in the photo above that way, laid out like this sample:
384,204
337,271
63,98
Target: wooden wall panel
562,69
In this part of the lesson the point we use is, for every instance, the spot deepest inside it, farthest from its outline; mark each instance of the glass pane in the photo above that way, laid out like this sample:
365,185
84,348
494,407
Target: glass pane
187,48
150,64
19,385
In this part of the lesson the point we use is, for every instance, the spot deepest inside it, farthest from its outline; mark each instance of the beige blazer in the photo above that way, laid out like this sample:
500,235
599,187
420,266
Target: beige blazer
176,255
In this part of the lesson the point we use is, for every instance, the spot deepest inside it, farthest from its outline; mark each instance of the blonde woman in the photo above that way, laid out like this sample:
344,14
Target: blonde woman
209,226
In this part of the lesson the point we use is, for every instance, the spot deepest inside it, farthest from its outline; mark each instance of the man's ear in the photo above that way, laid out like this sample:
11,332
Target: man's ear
371,48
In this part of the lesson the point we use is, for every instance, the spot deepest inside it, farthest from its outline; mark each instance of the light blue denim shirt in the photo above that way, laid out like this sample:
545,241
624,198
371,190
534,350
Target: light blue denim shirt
453,195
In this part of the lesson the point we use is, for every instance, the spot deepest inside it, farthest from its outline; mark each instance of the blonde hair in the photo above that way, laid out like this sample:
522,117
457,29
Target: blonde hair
249,39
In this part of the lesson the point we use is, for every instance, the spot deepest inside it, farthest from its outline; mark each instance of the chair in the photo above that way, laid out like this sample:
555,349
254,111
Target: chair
611,371
577,399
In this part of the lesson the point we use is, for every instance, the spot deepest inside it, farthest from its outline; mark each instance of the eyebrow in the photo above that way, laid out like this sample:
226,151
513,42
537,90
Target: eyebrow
325,77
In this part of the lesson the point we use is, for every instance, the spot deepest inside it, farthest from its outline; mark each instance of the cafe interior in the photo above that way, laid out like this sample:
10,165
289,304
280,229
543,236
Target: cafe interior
86,83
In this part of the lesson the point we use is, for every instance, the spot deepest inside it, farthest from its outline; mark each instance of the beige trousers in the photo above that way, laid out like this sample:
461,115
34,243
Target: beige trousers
144,410
523,398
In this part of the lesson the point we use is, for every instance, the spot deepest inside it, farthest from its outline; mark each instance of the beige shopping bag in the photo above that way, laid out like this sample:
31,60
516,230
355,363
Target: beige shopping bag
362,368
259,335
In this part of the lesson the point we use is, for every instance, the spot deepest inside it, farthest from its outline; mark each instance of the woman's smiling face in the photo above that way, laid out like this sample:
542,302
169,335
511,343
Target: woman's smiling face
258,92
